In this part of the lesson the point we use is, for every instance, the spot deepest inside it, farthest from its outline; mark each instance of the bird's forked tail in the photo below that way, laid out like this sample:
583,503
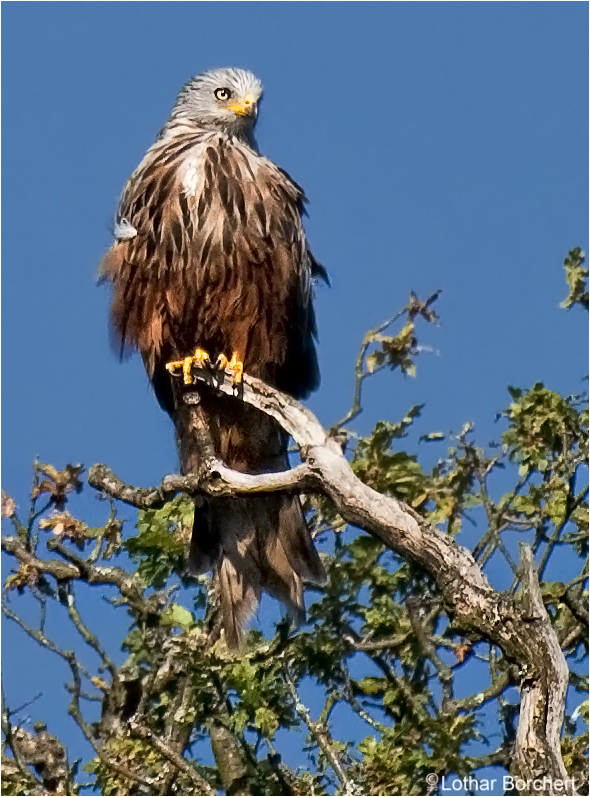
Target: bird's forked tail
252,544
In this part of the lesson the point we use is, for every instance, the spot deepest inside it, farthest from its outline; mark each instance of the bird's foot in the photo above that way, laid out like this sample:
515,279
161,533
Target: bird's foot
199,358
234,366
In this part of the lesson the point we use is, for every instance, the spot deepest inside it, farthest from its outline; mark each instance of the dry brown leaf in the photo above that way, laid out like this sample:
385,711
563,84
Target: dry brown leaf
26,576
65,526
58,482
8,505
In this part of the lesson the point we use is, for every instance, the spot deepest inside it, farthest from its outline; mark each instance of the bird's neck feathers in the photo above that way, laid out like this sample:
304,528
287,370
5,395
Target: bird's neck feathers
181,122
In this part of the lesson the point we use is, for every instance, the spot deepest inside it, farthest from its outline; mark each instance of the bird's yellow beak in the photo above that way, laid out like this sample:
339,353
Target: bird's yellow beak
247,107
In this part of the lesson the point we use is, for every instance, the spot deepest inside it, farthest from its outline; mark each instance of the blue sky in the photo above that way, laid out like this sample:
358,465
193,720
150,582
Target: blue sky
441,145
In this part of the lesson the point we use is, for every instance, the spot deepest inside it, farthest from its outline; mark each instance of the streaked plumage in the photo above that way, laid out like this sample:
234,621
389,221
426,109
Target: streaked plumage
210,251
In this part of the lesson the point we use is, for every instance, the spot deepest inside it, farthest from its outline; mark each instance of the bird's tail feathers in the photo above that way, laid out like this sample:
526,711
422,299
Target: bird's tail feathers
256,544
251,543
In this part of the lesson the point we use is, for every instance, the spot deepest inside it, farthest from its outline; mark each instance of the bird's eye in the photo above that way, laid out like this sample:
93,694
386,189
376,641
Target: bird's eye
222,94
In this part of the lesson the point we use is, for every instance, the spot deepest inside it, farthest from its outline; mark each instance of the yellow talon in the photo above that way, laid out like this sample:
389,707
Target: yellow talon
199,358
235,366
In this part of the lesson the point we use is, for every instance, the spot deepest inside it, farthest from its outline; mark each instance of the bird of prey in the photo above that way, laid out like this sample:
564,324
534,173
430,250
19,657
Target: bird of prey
210,265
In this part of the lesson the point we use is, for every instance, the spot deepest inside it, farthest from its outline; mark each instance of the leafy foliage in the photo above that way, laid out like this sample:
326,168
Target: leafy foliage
378,644
576,275
160,545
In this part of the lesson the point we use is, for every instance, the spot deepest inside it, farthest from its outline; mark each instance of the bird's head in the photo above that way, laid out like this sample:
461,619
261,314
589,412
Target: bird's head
222,99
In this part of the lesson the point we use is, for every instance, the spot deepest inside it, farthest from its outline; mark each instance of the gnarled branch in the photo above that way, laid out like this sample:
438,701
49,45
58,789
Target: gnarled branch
520,626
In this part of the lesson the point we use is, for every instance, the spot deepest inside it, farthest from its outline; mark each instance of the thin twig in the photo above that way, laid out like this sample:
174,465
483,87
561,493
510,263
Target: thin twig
69,599
322,736
7,730
360,375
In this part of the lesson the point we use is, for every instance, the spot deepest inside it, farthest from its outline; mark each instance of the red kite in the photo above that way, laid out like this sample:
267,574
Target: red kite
211,264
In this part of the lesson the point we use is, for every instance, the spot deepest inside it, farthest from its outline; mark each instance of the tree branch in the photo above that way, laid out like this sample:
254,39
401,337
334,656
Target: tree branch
79,568
320,733
542,699
470,600
175,758
218,480
18,548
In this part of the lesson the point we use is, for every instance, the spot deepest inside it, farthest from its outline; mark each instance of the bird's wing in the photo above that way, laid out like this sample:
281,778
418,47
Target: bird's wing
153,246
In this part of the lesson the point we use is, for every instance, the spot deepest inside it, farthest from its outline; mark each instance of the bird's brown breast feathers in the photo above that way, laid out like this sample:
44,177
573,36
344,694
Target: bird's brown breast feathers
219,261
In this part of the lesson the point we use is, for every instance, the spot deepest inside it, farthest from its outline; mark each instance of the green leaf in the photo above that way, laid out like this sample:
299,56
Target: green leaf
577,279
267,721
159,548
552,590
582,711
367,746
427,438
174,614
371,685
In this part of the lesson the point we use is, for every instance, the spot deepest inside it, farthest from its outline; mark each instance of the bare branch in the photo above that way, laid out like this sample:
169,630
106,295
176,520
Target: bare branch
79,568
219,480
59,570
428,648
489,693
75,689
9,737
70,601
537,750
360,374
320,733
